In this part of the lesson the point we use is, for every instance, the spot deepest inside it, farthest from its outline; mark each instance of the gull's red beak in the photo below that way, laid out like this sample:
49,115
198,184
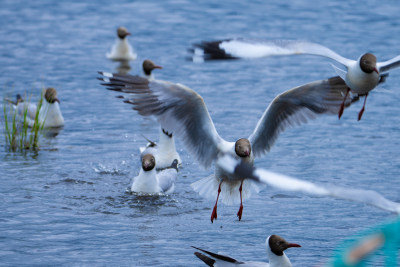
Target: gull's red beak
157,67
376,70
293,245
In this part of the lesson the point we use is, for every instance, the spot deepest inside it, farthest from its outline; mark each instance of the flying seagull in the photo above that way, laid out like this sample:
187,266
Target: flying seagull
361,75
181,110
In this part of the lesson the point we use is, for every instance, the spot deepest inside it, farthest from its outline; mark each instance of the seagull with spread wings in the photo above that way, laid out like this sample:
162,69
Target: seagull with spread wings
361,75
181,110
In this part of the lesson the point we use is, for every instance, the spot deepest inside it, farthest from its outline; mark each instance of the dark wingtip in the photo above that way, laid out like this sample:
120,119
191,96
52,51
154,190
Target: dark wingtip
383,77
167,133
174,165
207,260
152,143
218,256
212,50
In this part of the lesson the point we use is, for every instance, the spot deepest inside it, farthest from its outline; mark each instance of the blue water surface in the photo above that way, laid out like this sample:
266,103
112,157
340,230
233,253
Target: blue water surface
68,203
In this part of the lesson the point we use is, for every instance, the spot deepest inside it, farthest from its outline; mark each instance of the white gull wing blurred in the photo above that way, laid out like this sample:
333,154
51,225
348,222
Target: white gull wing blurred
288,183
248,48
178,108
389,64
297,106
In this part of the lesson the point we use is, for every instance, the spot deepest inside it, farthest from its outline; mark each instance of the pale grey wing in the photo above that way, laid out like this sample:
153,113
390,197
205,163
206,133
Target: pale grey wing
167,178
280,181
178,108
249,48
297,106
389,64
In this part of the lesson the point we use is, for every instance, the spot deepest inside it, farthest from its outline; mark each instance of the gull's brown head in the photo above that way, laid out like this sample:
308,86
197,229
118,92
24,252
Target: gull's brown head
122,32
148,162
149,66
278,244
51,95
243,148
368,63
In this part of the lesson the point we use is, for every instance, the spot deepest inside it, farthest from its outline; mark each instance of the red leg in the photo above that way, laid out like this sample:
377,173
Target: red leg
342,105
239,214
363,108
214,212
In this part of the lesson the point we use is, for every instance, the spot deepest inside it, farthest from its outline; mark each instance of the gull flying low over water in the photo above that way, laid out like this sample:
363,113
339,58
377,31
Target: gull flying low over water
238,168
361,75
122,50
181,110
150,181
275,244
50,115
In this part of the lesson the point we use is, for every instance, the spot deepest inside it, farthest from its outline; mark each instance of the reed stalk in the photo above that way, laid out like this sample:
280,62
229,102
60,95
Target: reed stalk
18,135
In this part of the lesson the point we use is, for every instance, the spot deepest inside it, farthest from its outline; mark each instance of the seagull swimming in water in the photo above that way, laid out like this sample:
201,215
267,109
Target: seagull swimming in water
361,75
50,115
181,110
150,181
275,245
122,50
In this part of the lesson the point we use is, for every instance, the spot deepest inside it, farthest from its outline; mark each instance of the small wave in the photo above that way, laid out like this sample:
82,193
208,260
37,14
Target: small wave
102,169
284,196
74,181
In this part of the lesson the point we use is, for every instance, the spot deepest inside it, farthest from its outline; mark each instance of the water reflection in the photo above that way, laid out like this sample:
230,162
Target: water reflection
123,67
52,132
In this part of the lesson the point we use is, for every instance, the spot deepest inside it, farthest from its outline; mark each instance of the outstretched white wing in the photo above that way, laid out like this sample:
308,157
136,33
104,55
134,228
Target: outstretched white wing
389,64
297,106
288,183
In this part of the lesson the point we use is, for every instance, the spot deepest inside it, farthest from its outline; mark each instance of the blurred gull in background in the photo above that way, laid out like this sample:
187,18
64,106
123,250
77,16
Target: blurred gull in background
361,75
122,50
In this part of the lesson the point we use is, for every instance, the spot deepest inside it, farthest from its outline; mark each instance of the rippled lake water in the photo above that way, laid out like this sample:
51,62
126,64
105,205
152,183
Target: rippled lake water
68,203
